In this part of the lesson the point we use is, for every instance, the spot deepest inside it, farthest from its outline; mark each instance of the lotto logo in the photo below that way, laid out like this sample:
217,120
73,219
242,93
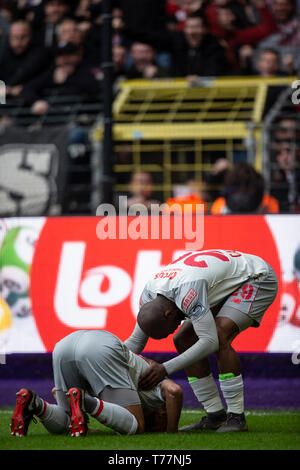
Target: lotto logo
87,283
188,299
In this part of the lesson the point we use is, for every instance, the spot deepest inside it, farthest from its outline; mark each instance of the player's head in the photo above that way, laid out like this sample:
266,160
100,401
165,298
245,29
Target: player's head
157,421
159,318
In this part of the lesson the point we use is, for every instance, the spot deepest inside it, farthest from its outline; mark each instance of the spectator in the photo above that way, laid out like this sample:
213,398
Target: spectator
68,75
141,191
83,11
11,10
68,32
243,193
251,34
214,180
245,56
285,179
21,60
242,11
186,199
144,62
237,25
268,64
54,11
287,131
178,11
284,11
88,16
175,16
287,37
118,38
119,54
194,50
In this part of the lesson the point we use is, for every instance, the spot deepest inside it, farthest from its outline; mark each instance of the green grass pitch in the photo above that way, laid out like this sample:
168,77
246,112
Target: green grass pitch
268,430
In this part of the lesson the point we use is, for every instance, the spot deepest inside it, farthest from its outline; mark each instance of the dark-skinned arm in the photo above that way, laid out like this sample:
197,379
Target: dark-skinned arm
208,343
173,395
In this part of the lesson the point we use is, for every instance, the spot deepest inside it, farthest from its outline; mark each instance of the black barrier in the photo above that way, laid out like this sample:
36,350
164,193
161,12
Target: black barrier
107,67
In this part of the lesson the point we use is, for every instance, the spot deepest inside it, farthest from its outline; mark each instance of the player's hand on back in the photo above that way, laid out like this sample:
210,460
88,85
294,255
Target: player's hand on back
153,375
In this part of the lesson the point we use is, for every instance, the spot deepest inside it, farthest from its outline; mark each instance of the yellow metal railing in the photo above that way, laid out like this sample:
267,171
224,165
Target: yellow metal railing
173,129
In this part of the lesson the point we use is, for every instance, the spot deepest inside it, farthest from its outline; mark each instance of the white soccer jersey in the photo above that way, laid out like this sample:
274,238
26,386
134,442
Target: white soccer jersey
195,282
199,280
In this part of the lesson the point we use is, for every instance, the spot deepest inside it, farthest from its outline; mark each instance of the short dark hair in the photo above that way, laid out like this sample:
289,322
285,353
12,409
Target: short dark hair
244,188
269,50
226,6
199,14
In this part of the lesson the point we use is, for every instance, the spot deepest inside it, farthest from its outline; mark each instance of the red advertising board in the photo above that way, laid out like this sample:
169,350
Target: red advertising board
79,281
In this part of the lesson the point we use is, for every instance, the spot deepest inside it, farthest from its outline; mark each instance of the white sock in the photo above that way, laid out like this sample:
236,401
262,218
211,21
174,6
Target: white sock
115,417
233,392
54,418
207,393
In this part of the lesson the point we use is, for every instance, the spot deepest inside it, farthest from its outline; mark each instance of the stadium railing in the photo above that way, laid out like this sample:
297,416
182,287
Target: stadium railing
62,109
174,128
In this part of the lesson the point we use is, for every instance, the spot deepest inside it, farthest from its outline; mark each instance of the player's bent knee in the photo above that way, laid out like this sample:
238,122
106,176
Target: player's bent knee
177,392
225,338
174,389
227,330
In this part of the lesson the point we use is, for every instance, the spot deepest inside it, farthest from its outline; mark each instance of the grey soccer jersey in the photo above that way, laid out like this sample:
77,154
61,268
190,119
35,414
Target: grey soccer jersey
150,400
96,360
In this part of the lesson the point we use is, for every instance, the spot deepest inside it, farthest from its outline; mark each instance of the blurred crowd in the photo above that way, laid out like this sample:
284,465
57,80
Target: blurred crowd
232,187
55,46
238,189
51,45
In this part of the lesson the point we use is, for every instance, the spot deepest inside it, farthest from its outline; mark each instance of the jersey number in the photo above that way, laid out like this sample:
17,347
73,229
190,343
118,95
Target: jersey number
190,259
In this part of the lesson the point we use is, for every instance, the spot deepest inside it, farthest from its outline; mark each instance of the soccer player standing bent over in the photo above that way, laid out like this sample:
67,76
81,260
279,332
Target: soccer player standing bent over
218,294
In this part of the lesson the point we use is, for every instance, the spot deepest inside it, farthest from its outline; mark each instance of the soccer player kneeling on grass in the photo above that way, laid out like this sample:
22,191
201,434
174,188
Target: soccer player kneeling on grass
96,374
217,294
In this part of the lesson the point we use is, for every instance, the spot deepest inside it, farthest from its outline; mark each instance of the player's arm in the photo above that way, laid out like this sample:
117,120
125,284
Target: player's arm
137,340
172,393
208,343
197,309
